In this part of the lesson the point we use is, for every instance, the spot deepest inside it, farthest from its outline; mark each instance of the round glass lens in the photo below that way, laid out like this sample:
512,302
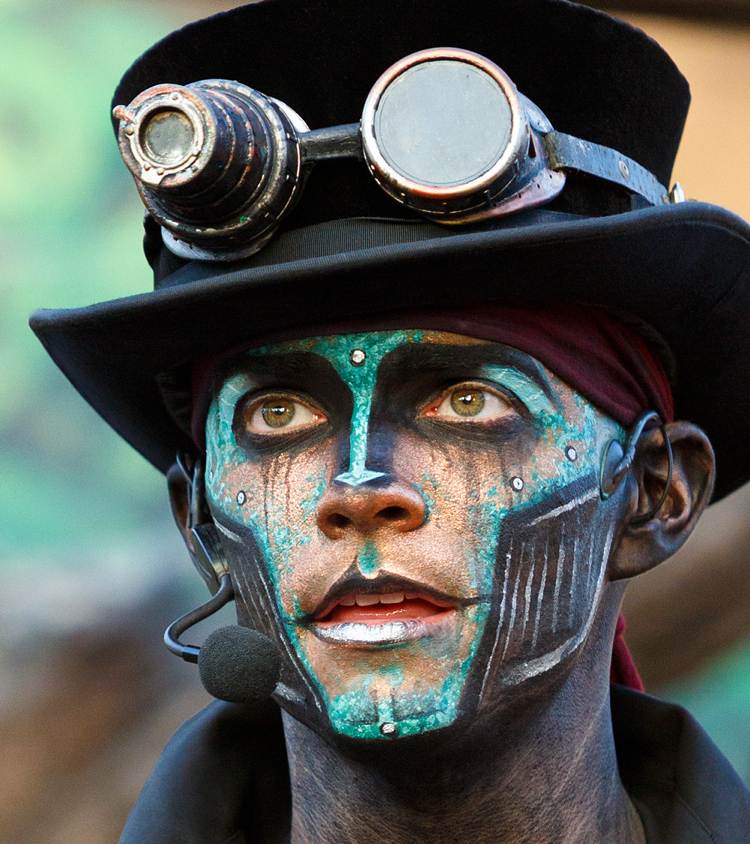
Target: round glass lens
167,137
443,123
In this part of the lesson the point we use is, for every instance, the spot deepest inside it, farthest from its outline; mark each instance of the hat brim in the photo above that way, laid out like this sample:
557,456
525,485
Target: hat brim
683,269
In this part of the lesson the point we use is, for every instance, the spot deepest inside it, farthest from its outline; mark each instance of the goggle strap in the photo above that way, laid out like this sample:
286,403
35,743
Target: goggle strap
567,152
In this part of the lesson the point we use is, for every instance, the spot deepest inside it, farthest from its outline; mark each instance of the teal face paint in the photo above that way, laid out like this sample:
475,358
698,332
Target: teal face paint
368,559
356,358
498,558
531,394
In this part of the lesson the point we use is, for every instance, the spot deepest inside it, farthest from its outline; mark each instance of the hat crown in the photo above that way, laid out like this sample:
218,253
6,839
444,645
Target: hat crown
681,268
594,76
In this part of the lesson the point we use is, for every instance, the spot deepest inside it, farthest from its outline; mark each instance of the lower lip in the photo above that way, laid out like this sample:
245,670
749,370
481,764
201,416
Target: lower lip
364,634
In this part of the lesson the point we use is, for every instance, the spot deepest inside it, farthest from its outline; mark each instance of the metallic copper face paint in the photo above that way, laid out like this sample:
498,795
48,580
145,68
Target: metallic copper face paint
510,529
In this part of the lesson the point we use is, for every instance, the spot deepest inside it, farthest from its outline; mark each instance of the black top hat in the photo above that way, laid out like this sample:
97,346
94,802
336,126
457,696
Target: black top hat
349,250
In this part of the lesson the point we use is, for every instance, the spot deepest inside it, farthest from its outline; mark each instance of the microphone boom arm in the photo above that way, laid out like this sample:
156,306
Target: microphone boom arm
172,634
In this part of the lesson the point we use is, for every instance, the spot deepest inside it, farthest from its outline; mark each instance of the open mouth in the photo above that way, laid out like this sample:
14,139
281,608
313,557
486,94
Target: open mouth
382,618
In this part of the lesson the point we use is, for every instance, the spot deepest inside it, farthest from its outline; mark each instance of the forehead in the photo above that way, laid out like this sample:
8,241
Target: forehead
354,354
378,342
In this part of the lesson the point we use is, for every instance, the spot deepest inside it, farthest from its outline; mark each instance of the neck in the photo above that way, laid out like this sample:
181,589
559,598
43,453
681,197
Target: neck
543,769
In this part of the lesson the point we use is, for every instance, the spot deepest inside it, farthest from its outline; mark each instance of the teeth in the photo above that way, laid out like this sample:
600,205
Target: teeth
366,600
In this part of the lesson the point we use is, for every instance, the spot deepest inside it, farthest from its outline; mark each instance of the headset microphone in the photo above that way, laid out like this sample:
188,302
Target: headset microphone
235,663
239,665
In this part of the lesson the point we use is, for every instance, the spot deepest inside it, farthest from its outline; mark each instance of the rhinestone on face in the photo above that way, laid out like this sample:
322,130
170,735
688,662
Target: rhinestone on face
357,357
241,497
388,728
571,453
517,483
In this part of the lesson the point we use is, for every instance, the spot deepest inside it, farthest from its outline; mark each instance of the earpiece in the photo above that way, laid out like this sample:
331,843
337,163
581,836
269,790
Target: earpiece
236,664
207,553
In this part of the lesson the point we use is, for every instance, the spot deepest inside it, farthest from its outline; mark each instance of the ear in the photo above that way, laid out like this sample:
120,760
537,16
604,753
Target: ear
644,545
179,497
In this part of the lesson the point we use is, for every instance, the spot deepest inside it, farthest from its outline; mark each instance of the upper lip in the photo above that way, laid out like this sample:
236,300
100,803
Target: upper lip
356,584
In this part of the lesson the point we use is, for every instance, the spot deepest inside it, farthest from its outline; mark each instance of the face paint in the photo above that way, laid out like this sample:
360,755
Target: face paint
490,523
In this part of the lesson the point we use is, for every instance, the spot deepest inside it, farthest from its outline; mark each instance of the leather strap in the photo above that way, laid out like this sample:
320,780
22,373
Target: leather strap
569,153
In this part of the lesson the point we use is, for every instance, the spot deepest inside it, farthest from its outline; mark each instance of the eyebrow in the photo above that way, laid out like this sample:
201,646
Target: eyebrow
305,372
507,366
527,389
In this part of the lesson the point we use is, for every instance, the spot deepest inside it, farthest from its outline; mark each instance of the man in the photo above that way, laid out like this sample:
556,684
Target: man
425,458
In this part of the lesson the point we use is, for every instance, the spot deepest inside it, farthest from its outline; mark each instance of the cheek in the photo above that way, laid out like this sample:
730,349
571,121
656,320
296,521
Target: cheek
277,498
467,490
552,571
453,476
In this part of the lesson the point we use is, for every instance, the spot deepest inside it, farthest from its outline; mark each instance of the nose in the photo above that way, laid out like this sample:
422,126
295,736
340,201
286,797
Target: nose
396,507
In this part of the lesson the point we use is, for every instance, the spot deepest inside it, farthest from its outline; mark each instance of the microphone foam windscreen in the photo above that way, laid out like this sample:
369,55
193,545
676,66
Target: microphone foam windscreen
239,665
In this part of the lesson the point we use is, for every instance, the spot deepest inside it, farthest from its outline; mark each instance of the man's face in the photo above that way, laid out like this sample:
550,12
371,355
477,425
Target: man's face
414,516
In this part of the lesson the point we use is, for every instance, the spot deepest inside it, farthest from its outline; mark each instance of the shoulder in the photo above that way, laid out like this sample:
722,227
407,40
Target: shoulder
684,788
222,777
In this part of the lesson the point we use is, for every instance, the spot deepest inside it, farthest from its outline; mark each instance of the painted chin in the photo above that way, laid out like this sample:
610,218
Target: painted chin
375,621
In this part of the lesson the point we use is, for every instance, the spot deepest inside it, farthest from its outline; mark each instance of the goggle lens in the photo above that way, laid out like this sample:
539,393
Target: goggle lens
168,137
443,123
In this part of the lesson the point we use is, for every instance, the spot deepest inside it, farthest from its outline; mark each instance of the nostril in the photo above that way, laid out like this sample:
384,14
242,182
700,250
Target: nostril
393,514
395,508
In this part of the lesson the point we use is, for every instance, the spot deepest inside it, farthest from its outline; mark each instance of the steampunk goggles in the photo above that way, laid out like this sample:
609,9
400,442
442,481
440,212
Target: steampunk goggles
444,132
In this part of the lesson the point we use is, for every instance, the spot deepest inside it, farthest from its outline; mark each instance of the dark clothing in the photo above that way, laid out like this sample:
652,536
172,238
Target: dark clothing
223,779
683,788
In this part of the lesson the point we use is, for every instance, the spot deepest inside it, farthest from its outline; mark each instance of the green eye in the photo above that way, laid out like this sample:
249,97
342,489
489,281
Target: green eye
467,402
277,413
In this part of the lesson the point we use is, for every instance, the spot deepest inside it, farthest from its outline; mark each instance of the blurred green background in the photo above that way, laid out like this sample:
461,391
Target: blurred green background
91,567
69,228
